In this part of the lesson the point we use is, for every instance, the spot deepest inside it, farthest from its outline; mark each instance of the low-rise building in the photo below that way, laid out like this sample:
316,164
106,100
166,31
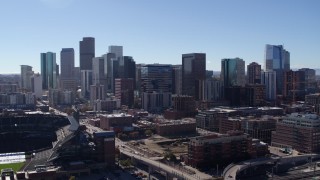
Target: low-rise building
314,100
184,126
259,128
118,121
183,106
298,131
221,149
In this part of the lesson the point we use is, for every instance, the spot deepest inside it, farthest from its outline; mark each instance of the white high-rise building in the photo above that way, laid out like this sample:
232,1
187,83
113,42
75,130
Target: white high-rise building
213,90
30,98
110,71
117,50
99,66
268,78
96,92
36,85
26,74
86,82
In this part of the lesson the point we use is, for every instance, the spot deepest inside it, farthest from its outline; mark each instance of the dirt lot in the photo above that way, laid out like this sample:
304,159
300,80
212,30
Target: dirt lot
160,145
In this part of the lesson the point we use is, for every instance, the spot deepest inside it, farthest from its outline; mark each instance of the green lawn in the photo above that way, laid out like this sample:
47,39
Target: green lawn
15,166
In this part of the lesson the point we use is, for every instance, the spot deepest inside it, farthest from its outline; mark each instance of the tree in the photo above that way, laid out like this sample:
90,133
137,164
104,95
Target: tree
126,162
170,156
68,110
148,132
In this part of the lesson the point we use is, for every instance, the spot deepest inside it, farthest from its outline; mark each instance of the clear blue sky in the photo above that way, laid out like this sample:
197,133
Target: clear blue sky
159,31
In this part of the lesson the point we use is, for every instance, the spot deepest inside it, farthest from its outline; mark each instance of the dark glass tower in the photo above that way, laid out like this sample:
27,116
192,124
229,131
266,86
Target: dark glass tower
87,52
194,75
254,73
156,78
49,70
67,63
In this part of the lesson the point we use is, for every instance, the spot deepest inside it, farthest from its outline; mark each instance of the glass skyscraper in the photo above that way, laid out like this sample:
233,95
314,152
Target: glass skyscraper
87,52
233,72
194,75
67,63
49,70
277,59
156,78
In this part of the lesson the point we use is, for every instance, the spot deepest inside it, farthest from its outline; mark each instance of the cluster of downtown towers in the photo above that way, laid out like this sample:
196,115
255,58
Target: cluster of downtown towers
186,79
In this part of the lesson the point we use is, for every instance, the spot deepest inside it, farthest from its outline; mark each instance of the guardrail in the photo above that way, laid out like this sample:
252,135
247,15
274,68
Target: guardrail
227,168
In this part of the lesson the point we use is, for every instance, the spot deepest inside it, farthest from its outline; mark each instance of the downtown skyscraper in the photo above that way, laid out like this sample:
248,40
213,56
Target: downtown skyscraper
87,52
254,73
194,75
67,77
277,59
233,72
67,63
26,74
48,70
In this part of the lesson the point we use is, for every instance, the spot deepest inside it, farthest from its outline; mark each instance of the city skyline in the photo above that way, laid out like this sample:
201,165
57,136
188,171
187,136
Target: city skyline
218,28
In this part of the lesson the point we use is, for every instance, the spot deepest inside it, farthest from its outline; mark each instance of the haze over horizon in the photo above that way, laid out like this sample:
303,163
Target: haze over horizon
160,31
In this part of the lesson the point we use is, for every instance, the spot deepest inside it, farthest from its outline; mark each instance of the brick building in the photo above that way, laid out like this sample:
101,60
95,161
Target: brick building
183,106
229,124
124,90
314,100
255,94
259,128
108,122
105,152
298,131
175,127
223,149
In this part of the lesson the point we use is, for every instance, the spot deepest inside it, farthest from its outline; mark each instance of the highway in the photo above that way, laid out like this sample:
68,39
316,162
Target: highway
164,167
231,171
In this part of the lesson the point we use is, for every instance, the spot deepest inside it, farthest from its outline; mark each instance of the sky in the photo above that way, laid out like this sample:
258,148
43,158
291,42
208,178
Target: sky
159,31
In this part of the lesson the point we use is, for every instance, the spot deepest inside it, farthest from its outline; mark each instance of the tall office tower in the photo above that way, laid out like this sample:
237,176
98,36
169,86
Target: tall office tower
67,77
127,68
26,74
124,90
156,78
96,93
156,87
138,77
49,70
111,70
77,75
87,52
98,71
194,75
67,63
254,73
233,72
294,85
213,90
177,79
117,50
268,78
311,82
86,82
36,85
277,59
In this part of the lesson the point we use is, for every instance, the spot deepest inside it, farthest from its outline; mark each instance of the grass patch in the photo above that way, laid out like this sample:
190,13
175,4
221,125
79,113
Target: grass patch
15,166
